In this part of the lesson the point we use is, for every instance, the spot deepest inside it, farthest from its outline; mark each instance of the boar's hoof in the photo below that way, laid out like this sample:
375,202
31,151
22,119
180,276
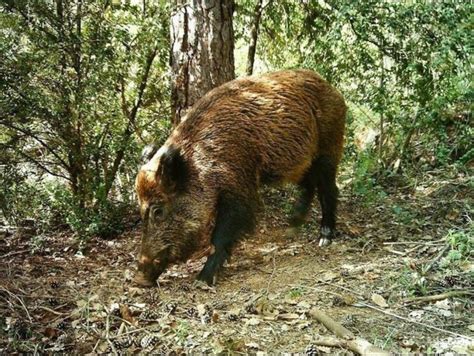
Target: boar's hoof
325,238
198,284
324,241
210,279
142,281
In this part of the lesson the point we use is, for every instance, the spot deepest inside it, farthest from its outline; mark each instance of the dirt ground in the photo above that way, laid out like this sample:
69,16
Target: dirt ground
60,300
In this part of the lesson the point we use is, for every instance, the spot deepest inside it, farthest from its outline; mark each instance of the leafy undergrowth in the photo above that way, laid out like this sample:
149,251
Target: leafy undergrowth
390,256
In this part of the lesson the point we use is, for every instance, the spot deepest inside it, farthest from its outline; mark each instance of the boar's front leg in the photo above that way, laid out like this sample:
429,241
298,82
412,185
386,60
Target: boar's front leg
235,217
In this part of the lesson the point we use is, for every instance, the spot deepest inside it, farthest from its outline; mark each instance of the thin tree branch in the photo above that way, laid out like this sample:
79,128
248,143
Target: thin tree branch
437,297
131,120
367,39
39,140
412,321
254,36
43,167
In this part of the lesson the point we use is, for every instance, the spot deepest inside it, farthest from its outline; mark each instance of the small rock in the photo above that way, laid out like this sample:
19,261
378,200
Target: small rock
379,300
253,321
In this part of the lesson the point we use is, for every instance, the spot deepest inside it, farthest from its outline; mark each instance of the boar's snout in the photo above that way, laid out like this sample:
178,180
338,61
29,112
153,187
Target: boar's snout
149,270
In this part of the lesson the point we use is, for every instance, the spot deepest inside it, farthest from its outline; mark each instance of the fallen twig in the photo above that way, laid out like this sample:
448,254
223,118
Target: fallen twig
330,342
315,289
13,253
273,273
424,243
436,297
353,343
436,259
96,344
343,288
20,300
107,330
400,253
51,310
359,304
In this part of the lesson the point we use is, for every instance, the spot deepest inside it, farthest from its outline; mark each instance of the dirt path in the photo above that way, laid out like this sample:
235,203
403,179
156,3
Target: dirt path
59,300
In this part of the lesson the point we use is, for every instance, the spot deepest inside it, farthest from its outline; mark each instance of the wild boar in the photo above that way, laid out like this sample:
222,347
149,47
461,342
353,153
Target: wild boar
201,187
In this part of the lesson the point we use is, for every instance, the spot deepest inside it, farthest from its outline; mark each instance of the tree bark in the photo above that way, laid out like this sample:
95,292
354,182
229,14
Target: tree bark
202,50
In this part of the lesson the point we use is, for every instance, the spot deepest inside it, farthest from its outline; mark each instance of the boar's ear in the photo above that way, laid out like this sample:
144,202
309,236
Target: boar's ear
148,152
172,170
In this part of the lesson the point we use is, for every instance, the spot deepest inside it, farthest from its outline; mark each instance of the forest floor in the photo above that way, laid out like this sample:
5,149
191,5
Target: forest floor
391,252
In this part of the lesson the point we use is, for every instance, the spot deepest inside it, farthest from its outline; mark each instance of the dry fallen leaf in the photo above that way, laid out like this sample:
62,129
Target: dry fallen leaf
416,314
303,305
201,308
50,332
252,345
328,276
253,321
127,314
443,304
215,316
379,300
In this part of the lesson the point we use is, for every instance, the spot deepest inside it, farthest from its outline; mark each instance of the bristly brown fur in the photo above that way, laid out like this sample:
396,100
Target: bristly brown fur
250,131
272,125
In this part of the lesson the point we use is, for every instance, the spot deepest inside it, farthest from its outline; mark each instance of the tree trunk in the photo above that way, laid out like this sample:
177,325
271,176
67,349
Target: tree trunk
254,36
202,50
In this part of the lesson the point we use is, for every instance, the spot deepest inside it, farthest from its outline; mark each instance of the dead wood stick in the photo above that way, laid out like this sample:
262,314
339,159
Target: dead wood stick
96,344
400,253
20,300
343,288
411,321
51,310
429,243
436,297
14,253
436,259
330,342
107,335
354,343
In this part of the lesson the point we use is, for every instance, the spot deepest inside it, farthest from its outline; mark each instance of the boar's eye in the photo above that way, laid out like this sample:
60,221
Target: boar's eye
157,212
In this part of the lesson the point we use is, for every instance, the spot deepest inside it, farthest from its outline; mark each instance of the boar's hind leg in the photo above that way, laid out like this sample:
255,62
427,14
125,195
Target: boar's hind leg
303,204
235,217
325,169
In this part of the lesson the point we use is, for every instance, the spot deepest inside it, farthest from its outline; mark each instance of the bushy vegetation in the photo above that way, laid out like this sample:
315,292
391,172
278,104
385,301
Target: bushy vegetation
84,86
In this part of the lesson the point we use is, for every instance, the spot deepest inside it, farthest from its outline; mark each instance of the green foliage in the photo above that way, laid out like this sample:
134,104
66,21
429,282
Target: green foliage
364,170
296,292
411,282
84,85
182,331
404,68
83,88
21,198
462,246
105,219
420,281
